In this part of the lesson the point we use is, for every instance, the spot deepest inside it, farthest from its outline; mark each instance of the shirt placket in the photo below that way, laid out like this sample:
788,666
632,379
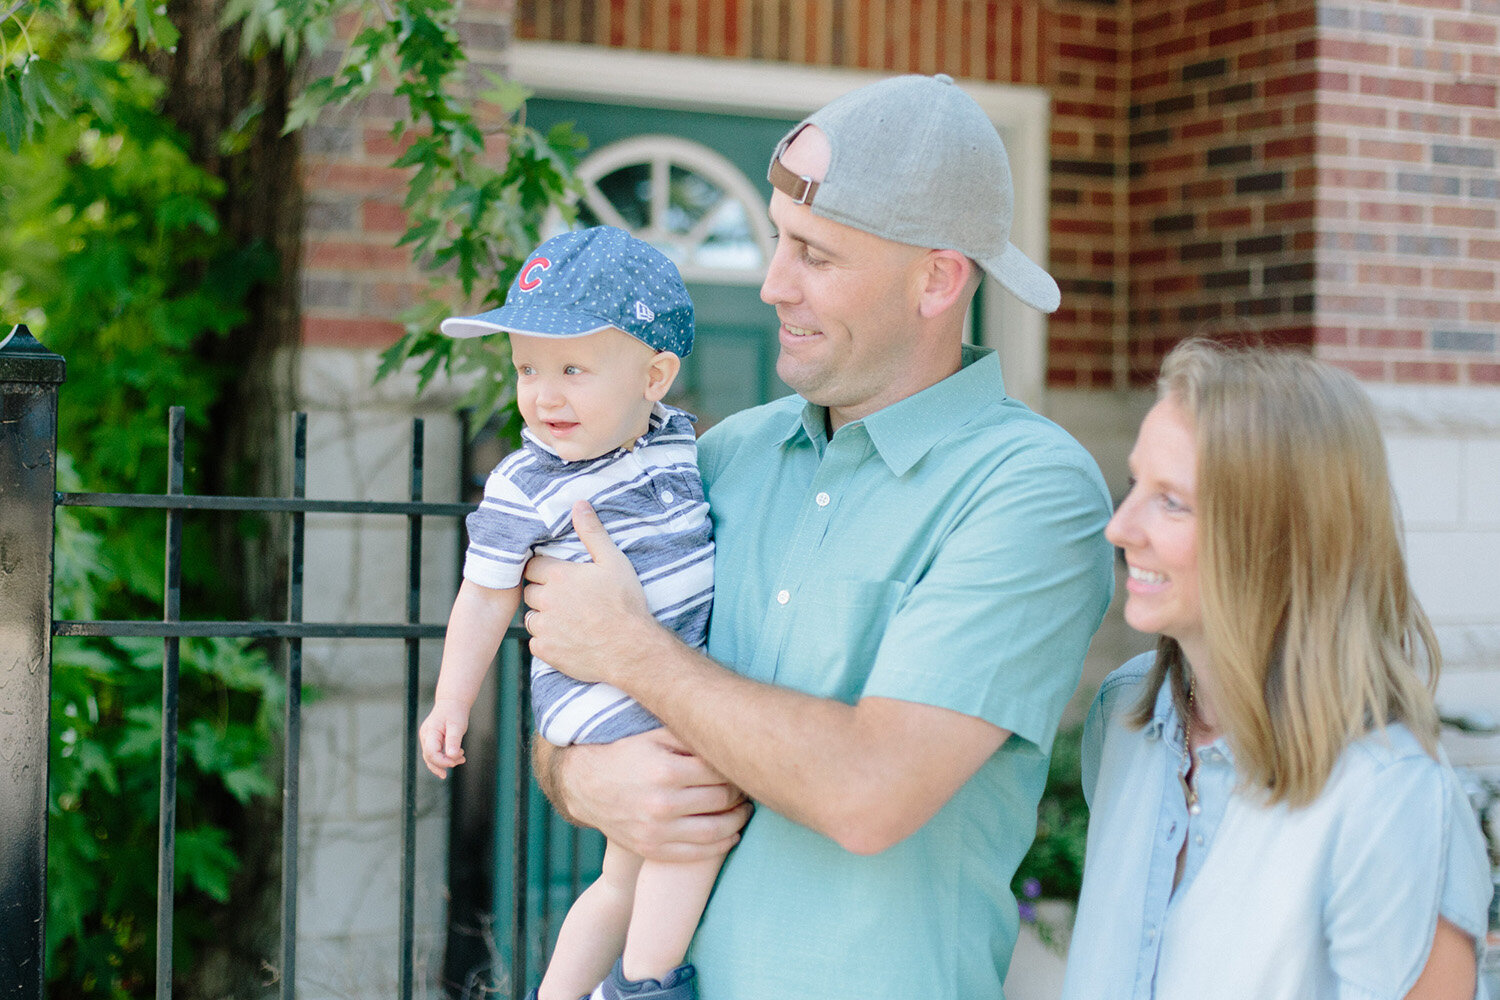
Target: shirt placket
1214,781
1166,844
819,504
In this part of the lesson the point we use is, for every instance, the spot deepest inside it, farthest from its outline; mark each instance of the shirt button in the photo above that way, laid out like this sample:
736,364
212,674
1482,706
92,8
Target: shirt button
822,499
666,496
1198,840
783,596
1150,934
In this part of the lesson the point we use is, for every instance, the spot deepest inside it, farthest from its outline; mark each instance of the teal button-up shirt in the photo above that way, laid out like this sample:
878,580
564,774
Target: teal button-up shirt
946,550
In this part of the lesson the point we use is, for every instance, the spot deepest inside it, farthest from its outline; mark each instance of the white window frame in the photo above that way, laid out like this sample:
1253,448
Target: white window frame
1022,115
660,153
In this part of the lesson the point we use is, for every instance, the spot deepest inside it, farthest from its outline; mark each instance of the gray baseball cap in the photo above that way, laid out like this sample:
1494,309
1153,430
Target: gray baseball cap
917,161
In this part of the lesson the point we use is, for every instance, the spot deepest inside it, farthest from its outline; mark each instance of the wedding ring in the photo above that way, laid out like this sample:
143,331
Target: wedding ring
526,621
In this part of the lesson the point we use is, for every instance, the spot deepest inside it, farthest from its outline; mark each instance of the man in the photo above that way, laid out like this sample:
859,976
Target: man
910,569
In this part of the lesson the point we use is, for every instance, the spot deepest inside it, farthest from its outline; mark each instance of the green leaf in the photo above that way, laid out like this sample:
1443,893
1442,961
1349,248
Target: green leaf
508,95
247,783
419,233
143,737
163,32
183,211
93,761
304,111
205,860
48,81
13,121
142,13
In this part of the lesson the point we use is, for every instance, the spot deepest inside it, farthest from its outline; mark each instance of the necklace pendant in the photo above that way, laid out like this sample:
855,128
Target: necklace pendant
1190,794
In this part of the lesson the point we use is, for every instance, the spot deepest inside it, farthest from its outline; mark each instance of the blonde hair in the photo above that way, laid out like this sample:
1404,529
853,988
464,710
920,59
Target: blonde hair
1314,633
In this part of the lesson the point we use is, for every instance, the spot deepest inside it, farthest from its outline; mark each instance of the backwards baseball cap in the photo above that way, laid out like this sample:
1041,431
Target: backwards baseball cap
591,280
917,161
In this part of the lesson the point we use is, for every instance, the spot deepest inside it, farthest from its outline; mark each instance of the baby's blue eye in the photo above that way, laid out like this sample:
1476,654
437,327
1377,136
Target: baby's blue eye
572,370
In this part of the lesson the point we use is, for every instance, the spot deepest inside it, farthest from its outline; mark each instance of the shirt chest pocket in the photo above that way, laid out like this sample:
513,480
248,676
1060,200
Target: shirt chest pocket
833,636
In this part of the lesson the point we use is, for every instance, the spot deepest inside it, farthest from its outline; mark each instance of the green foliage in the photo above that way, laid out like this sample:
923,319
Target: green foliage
105,792
110,250
59,59
1055,860
478,195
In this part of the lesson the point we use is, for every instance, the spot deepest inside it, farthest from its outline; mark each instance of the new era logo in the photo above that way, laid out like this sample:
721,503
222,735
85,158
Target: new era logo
643,312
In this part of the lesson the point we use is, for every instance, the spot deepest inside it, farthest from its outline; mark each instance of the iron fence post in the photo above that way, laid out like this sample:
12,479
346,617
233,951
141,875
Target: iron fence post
29,377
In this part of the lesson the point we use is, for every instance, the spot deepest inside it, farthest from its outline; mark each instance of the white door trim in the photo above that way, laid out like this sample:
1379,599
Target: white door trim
781,90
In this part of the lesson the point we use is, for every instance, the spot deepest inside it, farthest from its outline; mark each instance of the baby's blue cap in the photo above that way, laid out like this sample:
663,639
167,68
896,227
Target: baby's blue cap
590,280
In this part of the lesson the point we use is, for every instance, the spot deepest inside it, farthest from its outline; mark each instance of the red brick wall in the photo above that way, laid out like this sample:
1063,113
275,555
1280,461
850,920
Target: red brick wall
1088,76
1222,196
1409,190
356,281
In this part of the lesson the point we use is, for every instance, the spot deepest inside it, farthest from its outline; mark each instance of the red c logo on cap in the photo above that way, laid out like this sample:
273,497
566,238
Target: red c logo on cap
527,282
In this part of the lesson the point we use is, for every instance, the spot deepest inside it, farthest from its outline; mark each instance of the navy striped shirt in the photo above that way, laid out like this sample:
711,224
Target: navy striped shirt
650,499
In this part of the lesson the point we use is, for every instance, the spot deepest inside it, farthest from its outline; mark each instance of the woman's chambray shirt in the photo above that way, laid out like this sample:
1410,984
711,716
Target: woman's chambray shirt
1337,899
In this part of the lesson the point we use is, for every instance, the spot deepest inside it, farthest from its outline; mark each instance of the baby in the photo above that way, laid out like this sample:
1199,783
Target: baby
598,323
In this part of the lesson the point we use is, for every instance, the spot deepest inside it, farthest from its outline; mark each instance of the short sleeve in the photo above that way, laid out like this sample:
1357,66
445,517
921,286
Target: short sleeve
1092,749
998,625
502,531
1468,882
1121,684
1401,845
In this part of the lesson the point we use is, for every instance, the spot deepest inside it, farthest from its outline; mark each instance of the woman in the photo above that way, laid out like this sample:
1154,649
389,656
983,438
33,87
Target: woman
1312,842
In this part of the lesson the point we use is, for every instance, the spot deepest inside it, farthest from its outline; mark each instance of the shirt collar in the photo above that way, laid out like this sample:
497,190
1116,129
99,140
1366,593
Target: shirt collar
909,428
1163,713
1165,724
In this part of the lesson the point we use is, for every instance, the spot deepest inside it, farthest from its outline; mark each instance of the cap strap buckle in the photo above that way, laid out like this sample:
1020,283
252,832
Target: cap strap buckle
798,187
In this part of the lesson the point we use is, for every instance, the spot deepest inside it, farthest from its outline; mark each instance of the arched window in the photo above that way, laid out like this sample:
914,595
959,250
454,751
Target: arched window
683,198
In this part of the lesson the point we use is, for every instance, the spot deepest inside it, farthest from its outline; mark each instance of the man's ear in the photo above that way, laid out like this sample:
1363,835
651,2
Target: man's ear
661,374
945,279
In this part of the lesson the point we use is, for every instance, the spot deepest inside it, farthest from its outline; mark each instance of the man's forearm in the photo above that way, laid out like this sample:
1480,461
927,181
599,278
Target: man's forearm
866,775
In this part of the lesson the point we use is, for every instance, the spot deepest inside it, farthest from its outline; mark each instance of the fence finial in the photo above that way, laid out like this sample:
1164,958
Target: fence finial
24,359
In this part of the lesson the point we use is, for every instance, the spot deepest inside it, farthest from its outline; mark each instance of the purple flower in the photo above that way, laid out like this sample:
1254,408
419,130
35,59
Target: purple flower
1028,913
1031,888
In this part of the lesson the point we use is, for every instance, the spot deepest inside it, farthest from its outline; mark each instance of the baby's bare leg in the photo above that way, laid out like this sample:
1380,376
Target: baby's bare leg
593,933
669,900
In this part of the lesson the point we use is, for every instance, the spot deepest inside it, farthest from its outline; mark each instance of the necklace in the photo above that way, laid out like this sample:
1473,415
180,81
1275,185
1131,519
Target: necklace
1189,790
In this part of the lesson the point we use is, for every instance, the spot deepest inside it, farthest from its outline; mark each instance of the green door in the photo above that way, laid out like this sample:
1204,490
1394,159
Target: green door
693,184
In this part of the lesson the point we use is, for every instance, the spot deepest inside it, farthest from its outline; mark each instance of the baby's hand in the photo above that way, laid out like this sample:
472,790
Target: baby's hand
441,736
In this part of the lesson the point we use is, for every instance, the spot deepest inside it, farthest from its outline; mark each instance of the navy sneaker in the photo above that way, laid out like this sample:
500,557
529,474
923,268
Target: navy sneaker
534,989
679,984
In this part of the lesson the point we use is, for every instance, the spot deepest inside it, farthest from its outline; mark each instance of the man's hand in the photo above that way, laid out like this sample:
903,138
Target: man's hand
648,793
441,735
586,618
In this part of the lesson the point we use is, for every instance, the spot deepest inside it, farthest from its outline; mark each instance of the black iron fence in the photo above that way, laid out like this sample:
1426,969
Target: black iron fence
537,858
